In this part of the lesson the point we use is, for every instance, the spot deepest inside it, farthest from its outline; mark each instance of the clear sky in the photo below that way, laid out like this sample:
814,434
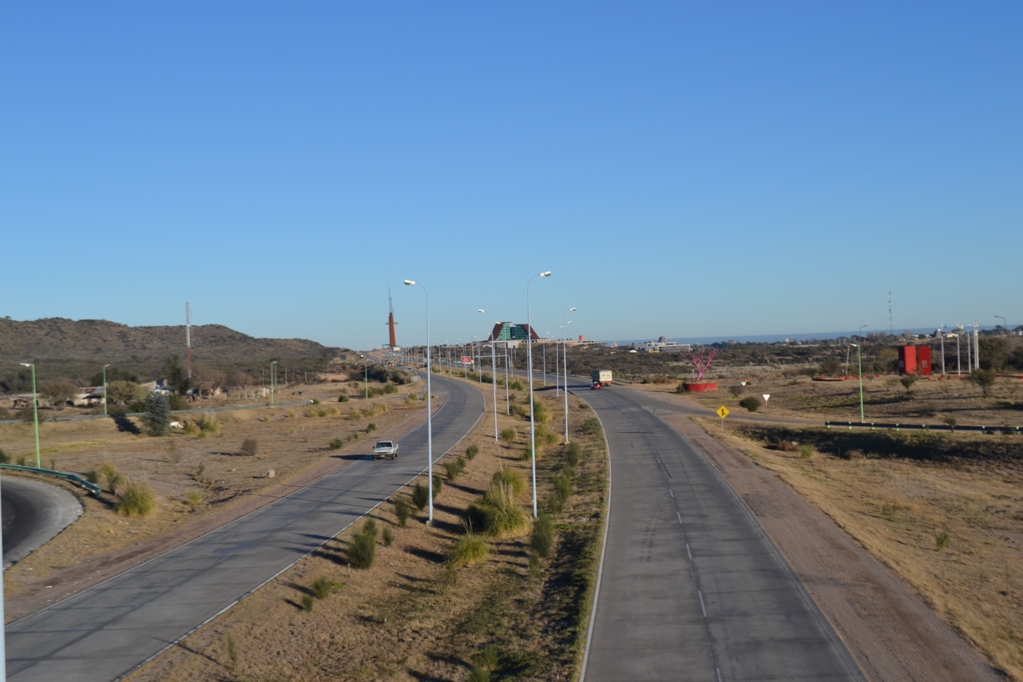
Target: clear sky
686,169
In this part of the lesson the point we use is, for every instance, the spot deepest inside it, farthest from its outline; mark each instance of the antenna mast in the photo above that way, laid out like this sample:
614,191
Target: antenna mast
390,321
188,337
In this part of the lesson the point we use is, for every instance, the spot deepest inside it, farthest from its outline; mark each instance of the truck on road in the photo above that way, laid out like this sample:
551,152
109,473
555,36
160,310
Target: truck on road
601,378
385,448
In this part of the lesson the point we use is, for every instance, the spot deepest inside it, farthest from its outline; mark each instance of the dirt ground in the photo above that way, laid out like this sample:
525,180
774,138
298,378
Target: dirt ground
413,616
200,479
951,532
930,400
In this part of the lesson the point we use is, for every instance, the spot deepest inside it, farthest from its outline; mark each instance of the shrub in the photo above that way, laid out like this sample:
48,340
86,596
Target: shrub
207,423
92,476
573,453
540,412
315,401
137,499
751,403
112,476
249,447
438,483
520,411
232,652
468,550
307,602
489,658
454,468
323,586
342,398
402,509
509,435
517,386
420,495
591,427
941,542
497,513
176,402
156,415
907,383
4,457
951,421
479,675
390,388
736,390
984,379
541,540
22,460
362,548
194,498
805,451
388,537
336,444
510,478
545,436
371,427
471,452
562,491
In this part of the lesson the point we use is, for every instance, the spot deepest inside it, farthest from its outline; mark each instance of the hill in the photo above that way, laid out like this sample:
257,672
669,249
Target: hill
79,348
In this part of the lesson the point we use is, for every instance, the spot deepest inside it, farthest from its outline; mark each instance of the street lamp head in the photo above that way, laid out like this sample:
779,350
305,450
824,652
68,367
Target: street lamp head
571,310
409,282
545,274
480,310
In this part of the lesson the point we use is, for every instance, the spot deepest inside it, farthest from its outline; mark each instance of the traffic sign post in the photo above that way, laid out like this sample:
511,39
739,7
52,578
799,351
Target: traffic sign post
767,396
722,412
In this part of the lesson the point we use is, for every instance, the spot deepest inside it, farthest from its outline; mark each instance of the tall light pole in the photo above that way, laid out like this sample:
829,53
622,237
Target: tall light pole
859,362
529,360
1005,326
942,337
493,367
564,356
959,364
859,335
35,409
429,404
273,380
105,390
365,377
547,336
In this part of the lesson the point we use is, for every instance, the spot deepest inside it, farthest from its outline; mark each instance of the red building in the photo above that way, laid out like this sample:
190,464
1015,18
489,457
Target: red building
915,360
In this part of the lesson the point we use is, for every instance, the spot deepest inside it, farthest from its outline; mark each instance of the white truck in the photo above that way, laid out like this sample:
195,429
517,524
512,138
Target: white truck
601,377
385,448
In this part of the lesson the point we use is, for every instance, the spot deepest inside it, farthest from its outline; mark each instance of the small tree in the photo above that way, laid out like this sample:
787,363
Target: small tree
701,360
125,392
58,391
156,417
751,403
984,379
907,382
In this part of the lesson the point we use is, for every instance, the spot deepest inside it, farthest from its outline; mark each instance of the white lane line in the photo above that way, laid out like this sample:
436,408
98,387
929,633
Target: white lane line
671,493
719,673
702,607
688,552
679,516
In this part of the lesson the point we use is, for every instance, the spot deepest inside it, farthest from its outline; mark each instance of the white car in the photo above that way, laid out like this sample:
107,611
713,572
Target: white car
385,448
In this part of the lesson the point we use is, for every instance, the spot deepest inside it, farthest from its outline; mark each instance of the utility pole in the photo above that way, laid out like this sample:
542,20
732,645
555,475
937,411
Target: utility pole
188,337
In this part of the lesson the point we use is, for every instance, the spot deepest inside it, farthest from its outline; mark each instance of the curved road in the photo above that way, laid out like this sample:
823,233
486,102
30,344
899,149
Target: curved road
107,630
33,513
691,588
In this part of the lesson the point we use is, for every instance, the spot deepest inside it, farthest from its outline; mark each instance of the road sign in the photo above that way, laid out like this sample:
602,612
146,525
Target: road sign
466,360
767,396
722,411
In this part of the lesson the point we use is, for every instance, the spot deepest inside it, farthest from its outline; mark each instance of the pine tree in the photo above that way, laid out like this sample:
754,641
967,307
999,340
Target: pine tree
157,414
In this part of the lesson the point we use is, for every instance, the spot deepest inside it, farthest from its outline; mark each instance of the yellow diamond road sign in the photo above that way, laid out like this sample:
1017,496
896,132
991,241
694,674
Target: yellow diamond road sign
722,411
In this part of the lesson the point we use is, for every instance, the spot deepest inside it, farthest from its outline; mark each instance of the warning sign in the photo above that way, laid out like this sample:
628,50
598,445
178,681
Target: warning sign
722,411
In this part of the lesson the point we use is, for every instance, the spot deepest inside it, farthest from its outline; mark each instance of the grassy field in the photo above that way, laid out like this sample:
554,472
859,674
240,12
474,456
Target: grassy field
449,601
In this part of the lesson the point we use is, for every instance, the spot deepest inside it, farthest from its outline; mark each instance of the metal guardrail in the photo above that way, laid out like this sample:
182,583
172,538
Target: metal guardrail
77,480
923,427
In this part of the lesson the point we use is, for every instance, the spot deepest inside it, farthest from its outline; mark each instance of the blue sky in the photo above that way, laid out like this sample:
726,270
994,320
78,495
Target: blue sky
686,169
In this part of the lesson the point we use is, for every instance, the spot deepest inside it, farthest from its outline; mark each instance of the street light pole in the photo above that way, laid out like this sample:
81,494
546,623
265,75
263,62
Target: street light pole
1005,326
35,409
959,363
493,367
564,355
529,361
429,404
859,362
105,390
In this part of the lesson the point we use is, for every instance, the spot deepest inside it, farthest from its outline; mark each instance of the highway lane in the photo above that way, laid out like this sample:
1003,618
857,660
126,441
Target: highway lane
106,631
691,587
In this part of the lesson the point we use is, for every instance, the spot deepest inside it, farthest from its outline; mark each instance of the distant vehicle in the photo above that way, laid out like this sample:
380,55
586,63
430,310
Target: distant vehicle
602,377
385,448
595,386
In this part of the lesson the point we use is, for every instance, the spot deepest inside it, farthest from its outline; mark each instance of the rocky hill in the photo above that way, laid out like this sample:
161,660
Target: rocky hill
62,347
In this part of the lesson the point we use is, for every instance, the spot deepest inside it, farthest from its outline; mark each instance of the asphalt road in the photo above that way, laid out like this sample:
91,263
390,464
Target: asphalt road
691,588
106,631
33,513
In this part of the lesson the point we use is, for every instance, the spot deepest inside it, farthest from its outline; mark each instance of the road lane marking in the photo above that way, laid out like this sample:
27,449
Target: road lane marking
702,607
688,552
671,493
679,516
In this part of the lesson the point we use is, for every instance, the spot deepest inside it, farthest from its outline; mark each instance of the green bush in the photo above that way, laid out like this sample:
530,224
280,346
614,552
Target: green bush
343,398
541,540
307,602
371,427
92,476
250,447
4,457
156,415
520,411
176,402
805,451
402,509
388,537
438,483
497,514
454,468
323,586
479,675
562,491
544,436
336,444
362,548
541,415
112,476
468,550
471,452
511,478
489,658
137,499
509,435
751,403
207,423
420,495
390,388
573,453
517,385
941,542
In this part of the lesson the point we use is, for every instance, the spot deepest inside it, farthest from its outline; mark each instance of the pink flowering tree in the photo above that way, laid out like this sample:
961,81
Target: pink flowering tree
701,360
